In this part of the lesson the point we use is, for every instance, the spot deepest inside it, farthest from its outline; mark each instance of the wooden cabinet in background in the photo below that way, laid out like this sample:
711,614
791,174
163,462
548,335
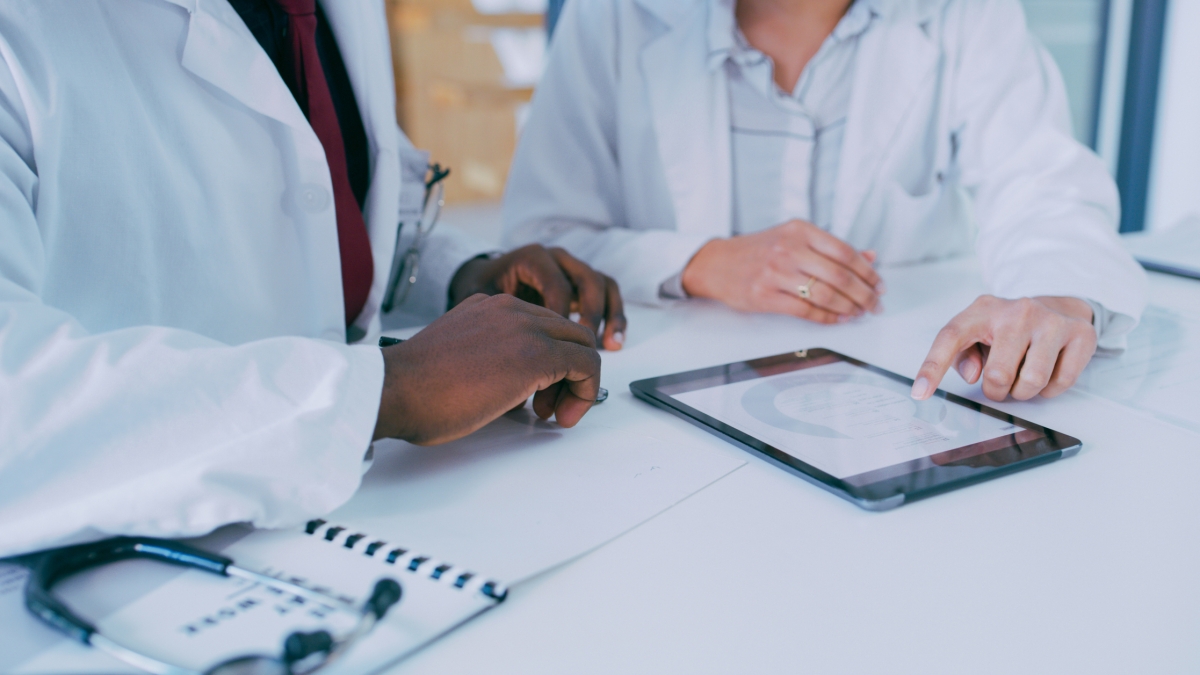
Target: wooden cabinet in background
456,96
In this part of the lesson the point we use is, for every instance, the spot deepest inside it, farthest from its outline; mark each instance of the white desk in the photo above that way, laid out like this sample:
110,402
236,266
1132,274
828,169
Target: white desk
1088,565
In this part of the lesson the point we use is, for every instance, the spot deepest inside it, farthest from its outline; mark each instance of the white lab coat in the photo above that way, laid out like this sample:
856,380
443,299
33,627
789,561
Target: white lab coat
172,348
958,135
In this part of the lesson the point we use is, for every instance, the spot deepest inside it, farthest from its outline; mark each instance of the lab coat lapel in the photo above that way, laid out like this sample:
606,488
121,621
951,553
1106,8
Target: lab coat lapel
358,29
883,92
221,50
690,106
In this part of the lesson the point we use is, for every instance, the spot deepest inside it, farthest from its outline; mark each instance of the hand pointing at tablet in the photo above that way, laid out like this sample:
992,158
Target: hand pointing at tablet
1021,347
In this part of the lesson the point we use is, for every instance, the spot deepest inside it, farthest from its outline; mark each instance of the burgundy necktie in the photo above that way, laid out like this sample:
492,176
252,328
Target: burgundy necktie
358,268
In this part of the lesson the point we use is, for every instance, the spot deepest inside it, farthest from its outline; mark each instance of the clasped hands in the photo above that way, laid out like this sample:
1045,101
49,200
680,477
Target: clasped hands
506,337
1021,347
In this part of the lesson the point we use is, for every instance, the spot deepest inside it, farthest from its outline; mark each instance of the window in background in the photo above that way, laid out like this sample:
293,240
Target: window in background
1109,52
1074,33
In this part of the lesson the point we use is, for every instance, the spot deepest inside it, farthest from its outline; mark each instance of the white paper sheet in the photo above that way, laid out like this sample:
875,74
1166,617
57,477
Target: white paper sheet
518,498
1159,373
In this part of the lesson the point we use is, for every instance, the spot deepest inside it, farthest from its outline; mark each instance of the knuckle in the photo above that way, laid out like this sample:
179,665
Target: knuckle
998,377
1084,331
1026,307
529,249
505,301
1035,377
1023,394
951,332
930,365
1067,381
531,351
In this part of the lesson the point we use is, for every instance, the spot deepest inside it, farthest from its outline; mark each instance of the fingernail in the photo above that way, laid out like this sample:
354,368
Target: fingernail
920,388
968,370
881,288
619,338
844,318
878,308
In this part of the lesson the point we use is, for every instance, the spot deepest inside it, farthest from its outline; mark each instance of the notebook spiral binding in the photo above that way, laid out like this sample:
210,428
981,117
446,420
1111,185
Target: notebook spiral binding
437,570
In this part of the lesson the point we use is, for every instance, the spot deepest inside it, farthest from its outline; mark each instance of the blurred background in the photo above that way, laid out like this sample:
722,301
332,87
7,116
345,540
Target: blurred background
466,71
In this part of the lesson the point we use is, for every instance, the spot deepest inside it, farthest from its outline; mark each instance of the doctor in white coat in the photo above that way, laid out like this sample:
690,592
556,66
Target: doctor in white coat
771,153
173,341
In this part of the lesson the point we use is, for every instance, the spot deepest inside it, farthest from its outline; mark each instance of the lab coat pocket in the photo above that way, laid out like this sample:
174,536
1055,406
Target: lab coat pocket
927,227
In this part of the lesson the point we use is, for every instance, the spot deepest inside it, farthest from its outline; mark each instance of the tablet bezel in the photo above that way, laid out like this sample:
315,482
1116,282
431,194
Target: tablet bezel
927,479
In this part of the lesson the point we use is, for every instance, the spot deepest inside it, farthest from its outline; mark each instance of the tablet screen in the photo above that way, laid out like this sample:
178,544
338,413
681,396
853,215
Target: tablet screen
847,420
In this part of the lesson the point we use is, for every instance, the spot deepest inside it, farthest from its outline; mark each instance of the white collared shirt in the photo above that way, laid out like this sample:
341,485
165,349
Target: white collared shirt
786,146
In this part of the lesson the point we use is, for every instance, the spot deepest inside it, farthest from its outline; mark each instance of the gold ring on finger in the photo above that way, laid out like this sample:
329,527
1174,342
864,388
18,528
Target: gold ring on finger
805,291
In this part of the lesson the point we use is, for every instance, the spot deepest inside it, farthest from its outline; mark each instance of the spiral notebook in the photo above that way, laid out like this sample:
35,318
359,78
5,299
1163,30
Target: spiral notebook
459,526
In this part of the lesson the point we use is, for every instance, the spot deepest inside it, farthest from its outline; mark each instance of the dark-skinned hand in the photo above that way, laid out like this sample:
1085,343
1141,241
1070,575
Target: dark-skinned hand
481,359
552,278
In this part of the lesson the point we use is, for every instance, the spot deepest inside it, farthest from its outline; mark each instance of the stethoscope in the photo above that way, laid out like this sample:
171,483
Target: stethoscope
302,652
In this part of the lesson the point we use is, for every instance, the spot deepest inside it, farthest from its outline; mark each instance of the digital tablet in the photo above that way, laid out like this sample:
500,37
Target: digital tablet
854,429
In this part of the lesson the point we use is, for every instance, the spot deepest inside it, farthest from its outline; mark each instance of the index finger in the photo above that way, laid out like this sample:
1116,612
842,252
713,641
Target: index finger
955,337
614,317
541,272
574,385
589,288
839,251
565,330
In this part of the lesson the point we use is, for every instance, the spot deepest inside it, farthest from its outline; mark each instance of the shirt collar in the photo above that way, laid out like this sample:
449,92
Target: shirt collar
725,39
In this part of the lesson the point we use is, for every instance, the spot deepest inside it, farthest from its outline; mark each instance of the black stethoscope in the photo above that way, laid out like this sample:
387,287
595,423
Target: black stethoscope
302,652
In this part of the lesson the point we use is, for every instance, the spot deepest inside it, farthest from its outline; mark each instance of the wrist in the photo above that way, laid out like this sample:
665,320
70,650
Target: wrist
390,422
468,280
1075,308
695,276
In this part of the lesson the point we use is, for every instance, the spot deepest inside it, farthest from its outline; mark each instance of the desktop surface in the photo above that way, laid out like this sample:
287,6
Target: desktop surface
1086,565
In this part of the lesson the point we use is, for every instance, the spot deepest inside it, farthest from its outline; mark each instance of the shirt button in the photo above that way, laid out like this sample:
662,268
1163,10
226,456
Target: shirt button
313,198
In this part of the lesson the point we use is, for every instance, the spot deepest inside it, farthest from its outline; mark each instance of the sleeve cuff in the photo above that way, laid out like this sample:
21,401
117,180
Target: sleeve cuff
672,289
442,254
1112,329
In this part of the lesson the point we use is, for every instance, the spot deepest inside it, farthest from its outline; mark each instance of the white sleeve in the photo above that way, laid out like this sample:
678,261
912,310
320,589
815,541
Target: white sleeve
152,430
442,254
565,188
1046,206
1111,329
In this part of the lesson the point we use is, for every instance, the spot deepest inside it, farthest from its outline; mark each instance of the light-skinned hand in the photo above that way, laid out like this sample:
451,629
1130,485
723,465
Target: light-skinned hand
762,272
1021,347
